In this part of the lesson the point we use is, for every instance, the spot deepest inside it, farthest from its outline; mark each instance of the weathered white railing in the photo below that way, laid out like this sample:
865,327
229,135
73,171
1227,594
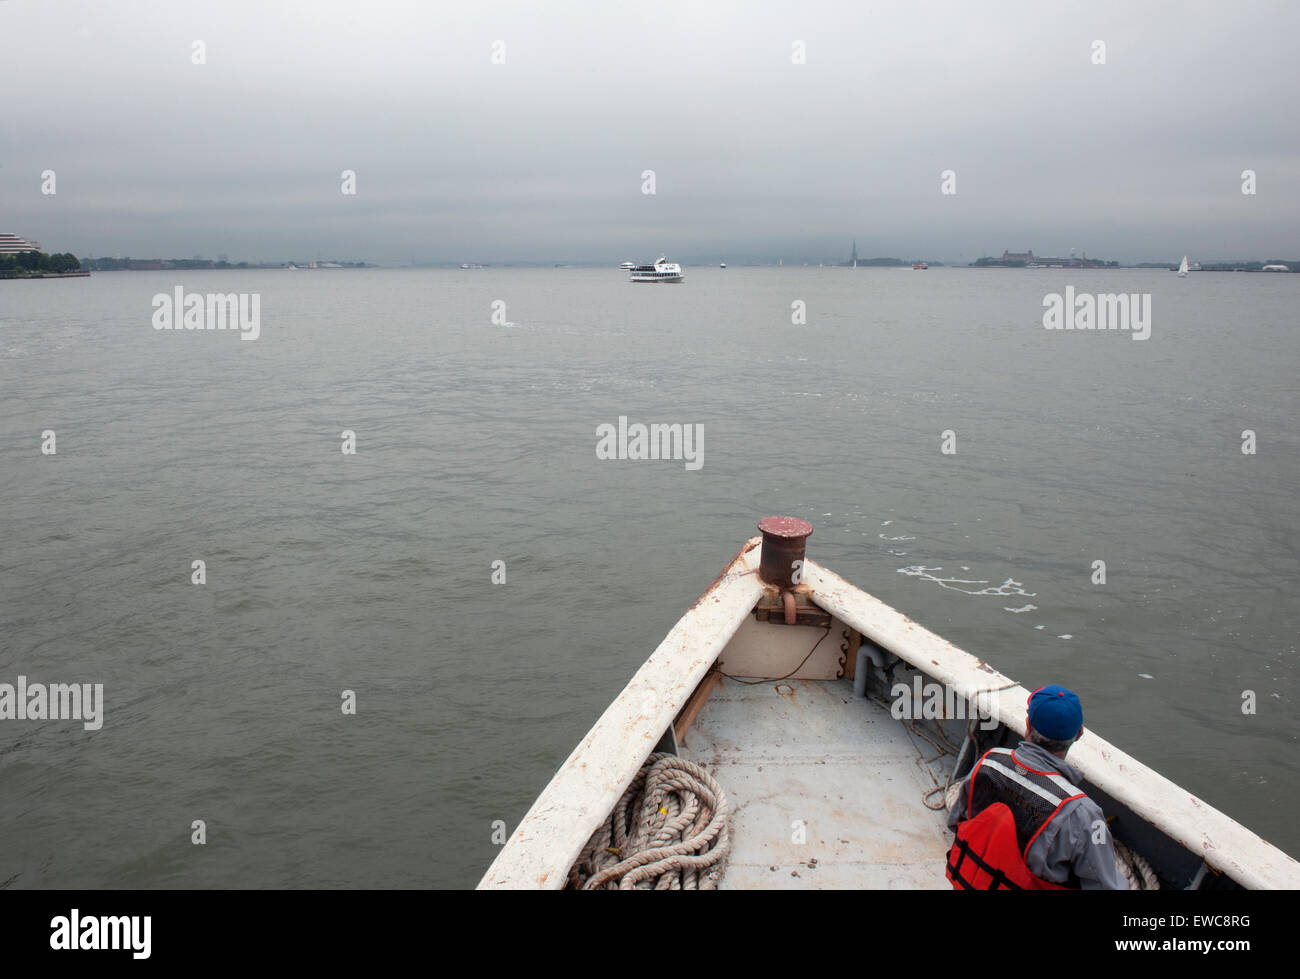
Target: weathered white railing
1225,844
586,787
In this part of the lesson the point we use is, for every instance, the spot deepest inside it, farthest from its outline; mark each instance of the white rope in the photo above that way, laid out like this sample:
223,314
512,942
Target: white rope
667,832
1134,868
950,795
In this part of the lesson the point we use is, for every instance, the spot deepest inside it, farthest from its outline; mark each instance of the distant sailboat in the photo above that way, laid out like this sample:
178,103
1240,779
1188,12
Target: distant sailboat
1182,269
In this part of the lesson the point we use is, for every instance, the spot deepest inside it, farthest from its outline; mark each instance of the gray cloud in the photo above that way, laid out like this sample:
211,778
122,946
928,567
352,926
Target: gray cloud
540,158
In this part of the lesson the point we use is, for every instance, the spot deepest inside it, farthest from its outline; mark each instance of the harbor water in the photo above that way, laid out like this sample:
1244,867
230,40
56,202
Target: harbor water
483,583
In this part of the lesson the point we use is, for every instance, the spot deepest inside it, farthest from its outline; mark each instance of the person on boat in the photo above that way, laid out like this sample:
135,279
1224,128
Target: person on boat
1022,823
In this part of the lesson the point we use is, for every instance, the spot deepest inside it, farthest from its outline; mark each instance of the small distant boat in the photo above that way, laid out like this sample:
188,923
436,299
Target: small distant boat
628,266
920,265
723,265
1276,268
662,271
1182,269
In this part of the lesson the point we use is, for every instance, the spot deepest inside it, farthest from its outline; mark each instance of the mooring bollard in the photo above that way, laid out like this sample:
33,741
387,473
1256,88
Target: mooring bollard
784,540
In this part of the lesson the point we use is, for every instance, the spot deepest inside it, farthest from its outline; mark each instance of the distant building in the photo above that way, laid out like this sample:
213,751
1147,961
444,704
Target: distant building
1073,262
853,258
13,245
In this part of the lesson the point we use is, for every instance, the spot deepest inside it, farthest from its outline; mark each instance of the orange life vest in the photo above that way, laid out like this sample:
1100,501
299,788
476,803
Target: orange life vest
1007,806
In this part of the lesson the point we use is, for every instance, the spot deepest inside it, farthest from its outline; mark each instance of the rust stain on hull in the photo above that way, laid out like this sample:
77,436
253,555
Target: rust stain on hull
726,570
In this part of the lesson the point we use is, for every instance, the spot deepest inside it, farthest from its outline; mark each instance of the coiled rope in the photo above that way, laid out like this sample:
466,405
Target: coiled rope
667,832
1134,868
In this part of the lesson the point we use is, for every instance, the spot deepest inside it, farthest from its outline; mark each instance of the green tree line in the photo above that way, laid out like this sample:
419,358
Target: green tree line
40,262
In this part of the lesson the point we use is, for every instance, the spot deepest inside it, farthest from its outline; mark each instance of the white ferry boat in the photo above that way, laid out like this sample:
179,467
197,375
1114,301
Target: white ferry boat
769,696
662,271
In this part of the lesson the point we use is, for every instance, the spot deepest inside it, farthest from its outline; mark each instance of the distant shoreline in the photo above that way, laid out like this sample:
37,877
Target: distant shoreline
6,274
694,265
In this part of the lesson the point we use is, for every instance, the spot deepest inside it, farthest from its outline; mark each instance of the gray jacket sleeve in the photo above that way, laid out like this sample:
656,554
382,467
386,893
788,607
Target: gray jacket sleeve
1067,841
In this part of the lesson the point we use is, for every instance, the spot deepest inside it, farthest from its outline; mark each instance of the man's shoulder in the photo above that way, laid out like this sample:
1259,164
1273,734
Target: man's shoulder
1038,759
1076,823
1082,806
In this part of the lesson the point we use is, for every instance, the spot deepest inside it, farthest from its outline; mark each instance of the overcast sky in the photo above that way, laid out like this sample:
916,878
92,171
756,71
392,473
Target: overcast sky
541,157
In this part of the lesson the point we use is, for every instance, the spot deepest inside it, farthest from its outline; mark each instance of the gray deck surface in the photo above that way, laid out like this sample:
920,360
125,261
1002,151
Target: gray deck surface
807,750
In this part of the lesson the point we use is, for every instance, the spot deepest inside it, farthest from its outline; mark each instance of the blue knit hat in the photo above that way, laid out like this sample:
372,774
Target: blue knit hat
1055,712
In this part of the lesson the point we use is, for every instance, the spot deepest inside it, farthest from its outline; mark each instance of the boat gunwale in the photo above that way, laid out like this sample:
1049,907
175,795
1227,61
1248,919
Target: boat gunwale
585,788
1225,844
582,793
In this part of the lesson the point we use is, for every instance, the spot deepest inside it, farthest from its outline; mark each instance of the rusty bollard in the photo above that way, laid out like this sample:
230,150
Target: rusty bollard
784,541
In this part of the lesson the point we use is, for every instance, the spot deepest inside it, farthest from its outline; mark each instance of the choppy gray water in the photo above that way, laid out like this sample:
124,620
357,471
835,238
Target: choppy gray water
476,443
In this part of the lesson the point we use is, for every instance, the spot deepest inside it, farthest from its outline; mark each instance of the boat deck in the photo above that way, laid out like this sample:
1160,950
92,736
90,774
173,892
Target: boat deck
808,752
